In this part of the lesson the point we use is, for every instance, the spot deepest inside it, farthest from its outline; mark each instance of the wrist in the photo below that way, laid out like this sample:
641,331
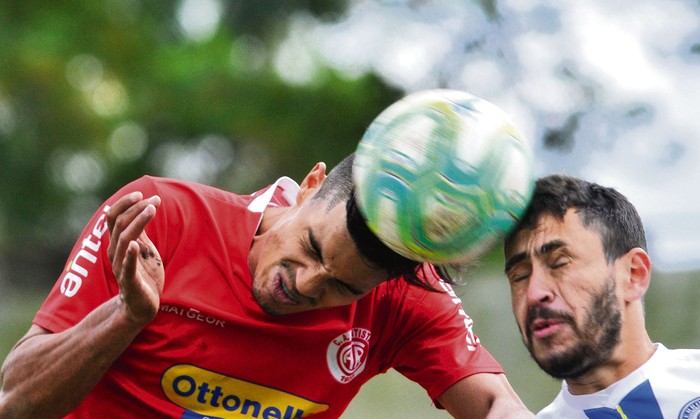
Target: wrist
137,319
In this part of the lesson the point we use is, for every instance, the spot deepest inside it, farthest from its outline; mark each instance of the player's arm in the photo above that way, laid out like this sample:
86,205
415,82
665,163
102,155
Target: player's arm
48,374
483,396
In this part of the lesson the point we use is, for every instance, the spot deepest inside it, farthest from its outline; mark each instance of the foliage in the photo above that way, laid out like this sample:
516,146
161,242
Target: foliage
96,93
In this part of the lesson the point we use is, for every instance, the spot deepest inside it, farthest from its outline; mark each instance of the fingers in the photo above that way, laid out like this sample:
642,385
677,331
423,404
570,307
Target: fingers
135,261
121,205
126,220
140,293
128,233
128,268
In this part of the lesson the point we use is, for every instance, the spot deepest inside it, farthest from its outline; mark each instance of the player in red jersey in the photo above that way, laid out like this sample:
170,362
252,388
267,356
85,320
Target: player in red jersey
182,300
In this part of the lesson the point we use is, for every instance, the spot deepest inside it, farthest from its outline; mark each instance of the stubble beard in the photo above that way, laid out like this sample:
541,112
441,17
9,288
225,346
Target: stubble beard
595,342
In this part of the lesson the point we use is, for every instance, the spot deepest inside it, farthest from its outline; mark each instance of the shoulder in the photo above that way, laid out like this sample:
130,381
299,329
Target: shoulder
182,193
669,368
558,408
193,208
684,359
398,290
281,193
422,308
686,355
183,188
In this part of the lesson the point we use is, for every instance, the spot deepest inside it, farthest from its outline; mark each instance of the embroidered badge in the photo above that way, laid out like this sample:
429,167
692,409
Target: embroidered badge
691,410
347,354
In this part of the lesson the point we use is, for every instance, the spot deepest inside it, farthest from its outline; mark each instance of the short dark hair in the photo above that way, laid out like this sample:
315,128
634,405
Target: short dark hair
339,187
601,208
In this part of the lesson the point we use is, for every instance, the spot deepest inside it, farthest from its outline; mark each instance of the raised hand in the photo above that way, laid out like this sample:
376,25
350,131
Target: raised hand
135,261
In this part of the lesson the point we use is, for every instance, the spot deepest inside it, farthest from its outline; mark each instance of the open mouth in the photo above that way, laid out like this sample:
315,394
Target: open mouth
542,328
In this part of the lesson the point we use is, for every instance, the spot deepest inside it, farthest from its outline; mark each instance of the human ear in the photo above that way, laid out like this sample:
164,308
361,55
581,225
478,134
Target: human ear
312,181
638,267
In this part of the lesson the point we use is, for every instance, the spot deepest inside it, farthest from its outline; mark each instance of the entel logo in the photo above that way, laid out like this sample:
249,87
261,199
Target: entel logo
216,395
75,272
347,354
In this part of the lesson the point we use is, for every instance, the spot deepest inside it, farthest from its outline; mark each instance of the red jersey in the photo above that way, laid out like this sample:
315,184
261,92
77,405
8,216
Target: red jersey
211,351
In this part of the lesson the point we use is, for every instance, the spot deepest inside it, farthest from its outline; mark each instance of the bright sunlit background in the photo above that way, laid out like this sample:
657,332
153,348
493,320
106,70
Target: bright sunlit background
608,90
96,93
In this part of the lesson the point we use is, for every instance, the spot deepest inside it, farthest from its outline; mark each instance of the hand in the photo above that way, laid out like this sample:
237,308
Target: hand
135,261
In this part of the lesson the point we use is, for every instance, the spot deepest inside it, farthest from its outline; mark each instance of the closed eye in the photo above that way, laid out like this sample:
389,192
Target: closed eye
515,275
347,288
314,246
310,246
560,262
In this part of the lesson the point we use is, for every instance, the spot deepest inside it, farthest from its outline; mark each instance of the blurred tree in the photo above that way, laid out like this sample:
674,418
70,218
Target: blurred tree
96,93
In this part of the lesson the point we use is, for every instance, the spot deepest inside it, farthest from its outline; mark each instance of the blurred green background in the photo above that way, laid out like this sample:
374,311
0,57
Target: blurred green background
94,94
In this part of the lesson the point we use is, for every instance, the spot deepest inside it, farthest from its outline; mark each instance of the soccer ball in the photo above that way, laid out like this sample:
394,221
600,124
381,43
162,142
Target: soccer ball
441,176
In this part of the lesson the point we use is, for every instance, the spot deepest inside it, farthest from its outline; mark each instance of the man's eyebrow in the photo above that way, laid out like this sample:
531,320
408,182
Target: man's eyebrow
543,250
551,246
514,260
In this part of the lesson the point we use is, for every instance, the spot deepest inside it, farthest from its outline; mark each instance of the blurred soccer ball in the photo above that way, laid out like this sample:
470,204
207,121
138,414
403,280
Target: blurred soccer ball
441,176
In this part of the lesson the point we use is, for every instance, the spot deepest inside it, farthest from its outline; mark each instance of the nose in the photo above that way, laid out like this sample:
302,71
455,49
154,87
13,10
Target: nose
539,288
311,282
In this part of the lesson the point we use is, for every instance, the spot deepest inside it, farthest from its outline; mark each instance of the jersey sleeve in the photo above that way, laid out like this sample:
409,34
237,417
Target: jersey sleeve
87,280
439,346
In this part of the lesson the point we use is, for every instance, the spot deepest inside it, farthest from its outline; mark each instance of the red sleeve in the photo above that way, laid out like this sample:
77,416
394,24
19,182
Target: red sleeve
441,347
87,279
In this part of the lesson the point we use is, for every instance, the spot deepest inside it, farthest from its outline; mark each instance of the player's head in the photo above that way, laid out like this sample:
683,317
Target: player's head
338,189
602,209
319,253
578,270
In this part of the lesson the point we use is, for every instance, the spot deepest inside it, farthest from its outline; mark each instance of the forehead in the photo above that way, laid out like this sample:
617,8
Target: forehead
570,231
328,224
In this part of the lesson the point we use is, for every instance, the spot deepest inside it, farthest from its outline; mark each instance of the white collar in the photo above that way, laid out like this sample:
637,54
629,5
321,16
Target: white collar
288,187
